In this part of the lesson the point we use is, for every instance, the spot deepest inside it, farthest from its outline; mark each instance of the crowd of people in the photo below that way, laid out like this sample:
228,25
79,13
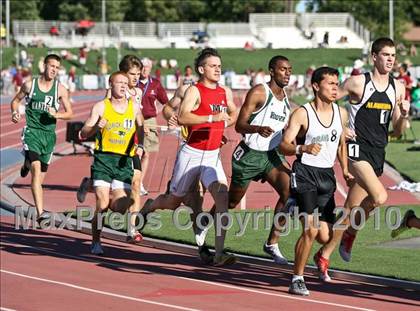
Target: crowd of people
317,133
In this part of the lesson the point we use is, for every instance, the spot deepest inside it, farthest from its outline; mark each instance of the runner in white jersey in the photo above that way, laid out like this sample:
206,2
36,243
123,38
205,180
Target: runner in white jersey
261,121
318,130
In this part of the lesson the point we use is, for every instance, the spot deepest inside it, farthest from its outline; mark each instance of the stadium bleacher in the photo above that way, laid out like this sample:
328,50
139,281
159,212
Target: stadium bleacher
273,30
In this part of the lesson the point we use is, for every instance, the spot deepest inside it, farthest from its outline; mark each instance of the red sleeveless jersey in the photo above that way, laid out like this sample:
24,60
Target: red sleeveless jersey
208,136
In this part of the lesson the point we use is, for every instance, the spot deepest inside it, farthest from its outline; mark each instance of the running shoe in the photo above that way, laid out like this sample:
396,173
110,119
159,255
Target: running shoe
322,263
83,189
205,255
224,260
274,251
346,245
24,170
96,249
298,287
134,237
404,224
143,190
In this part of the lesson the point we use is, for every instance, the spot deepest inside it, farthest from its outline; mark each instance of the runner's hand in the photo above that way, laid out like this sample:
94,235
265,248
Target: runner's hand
16,117
223,116
265,131
313,149
349,178
53,112
404,108
173,122
349,134
101,123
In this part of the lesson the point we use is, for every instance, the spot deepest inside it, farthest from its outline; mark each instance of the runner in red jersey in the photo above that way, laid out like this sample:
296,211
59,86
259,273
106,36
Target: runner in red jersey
206,109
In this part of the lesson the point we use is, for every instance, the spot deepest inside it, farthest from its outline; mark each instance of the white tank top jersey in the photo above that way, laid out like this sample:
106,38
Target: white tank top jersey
327,136
275,114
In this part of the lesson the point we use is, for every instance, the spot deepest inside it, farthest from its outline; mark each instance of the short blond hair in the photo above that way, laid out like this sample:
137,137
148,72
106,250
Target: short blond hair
117,73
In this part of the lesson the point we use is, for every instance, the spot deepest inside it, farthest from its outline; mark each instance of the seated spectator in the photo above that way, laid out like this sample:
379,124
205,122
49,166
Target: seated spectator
249,46
54,31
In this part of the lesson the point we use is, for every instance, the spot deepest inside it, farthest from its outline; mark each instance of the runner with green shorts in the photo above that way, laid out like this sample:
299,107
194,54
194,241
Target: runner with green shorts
261,121
43,95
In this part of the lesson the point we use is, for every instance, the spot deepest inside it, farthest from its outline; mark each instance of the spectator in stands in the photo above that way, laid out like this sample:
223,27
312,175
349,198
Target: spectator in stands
413,50
41,65
405,79
401,49
54,31
365,52
83,54
308,84
158,74
249,46
188,77
357,68
153,91
18,79
177,75
325,41
72,79
103,70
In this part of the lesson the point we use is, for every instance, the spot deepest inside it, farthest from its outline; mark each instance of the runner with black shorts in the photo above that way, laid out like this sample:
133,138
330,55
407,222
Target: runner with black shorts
318,130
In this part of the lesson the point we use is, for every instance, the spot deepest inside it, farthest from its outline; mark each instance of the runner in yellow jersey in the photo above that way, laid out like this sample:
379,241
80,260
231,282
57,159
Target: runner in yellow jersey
115,121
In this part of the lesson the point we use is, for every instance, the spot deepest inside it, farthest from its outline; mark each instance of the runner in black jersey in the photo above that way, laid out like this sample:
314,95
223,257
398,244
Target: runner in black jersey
376,100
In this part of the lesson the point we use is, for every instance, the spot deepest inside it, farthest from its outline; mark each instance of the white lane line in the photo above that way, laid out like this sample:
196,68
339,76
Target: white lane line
6,309
278,295
87,289
202,281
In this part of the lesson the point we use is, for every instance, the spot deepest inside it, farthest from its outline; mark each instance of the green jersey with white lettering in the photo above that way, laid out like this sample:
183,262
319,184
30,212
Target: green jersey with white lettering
38,104
275,114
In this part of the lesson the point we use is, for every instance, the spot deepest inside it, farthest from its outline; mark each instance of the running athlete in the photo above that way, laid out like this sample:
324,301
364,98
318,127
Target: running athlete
376,98
261,121
206,109
43,98
131,65
115,120
318,130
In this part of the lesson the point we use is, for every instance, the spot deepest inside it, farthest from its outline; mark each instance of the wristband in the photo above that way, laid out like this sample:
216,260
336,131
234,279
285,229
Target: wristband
210,119
298,150
140,146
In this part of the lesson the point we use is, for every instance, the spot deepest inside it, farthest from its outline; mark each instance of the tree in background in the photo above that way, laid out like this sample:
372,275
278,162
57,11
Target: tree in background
374,14
24,10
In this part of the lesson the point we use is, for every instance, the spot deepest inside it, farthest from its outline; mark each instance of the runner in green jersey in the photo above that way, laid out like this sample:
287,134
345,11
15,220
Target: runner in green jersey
43,98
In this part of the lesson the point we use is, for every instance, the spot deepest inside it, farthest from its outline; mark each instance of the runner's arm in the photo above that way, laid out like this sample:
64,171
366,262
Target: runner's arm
401,111
232,111
253,101
94,122
287,146
63,95
14,105
342,147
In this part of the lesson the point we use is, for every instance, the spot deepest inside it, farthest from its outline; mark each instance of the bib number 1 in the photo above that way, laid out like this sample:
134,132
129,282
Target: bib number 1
353,150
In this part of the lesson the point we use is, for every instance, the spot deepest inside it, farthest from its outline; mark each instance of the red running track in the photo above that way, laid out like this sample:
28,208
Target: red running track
53,270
